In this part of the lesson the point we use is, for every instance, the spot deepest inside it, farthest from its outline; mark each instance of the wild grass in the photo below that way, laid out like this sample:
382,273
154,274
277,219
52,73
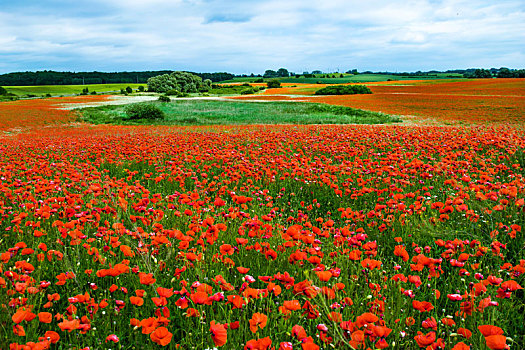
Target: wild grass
56,90
206,112
349,78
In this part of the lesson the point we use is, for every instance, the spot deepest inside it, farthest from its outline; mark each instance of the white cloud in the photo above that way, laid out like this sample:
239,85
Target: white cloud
253,35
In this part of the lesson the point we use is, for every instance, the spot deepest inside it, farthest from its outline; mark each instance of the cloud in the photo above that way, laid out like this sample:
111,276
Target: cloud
254,35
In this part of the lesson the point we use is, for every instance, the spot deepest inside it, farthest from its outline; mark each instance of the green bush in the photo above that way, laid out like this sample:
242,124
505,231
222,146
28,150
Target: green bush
129,90
248,91
274,83
260,80
164,98
172,92
344,90
143,111
141,88
3,91
181,81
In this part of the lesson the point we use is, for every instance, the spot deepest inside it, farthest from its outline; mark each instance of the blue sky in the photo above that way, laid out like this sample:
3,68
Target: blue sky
255,35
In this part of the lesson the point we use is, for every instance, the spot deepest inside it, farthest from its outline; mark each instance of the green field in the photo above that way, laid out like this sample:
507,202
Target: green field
57,90
209,112
349,78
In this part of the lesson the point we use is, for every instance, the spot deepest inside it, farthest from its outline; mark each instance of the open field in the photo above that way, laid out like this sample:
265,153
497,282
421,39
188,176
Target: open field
469,101
267,236
348,78
214,112
56,90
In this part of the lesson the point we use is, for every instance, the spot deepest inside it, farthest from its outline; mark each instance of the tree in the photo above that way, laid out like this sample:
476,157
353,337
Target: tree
129,90
283,72
274,83
180,81
505,73
141,88
270,74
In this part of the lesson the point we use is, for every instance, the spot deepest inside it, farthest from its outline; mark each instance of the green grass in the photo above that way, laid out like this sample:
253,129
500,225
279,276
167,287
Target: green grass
202,112
349,78
231,90
56,90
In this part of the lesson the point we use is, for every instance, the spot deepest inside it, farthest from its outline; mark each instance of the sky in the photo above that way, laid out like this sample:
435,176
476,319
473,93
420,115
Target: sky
250,36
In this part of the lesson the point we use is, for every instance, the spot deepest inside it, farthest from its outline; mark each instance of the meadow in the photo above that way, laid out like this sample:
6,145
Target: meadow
213,112
407,235
57,90
347,78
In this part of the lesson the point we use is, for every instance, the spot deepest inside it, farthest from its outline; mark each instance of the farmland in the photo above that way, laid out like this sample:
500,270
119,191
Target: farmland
347,78
408,235
478,101
57,90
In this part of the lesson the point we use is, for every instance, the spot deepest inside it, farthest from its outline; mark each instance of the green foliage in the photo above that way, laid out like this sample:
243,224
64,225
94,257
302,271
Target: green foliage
233,89
181,81
164,98
260,80
143,111
248,91
274,83
283,72
129,90
141,88
3,91
200,112
85,91
344,90
269,73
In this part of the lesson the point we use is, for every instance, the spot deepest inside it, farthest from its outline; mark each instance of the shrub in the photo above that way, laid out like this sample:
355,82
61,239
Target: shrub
164,98
181,81
3,91
344,90
129,90
274,83
141,88
172,92
260,80
248,91
144,111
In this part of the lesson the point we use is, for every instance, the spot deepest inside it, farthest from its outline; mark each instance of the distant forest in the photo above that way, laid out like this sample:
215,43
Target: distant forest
48,77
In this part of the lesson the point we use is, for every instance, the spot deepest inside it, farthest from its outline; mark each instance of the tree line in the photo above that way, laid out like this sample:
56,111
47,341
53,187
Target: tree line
48,77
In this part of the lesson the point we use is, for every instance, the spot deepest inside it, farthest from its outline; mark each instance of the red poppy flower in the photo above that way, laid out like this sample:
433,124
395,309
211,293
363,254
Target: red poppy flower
258,320
496,342
161,336
219,335
424,340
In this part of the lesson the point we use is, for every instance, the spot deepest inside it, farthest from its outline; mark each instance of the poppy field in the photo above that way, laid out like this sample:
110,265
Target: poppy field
262,236
460,102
